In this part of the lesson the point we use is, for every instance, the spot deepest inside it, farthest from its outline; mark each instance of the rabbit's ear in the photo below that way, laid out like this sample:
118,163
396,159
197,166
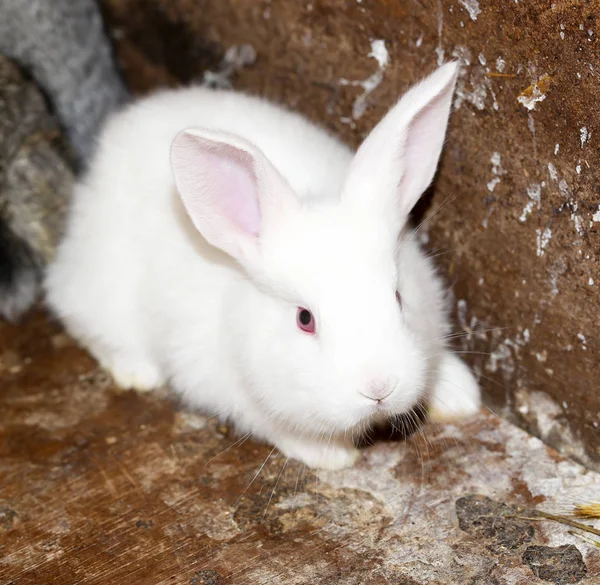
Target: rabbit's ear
398,160
229,188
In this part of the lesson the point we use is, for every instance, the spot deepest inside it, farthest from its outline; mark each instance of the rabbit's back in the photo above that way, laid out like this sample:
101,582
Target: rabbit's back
131,251
313,161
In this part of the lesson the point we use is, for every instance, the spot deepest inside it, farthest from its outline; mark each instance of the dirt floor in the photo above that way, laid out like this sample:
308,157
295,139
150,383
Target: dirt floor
102,486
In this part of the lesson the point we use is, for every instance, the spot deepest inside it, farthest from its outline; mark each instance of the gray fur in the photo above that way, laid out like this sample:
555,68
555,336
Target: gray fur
19,275
63,44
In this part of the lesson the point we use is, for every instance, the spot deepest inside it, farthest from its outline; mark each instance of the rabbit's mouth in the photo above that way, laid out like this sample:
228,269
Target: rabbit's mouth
393,427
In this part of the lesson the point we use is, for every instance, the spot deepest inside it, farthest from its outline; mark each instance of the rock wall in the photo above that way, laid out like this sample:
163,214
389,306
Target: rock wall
518,227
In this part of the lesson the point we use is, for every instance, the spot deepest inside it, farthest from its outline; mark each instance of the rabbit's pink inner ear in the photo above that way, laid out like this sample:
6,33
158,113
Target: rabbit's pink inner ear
423,146
398,160
234,186
218,184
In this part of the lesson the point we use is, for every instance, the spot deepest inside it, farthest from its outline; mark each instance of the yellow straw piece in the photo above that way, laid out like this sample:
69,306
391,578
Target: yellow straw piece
591,510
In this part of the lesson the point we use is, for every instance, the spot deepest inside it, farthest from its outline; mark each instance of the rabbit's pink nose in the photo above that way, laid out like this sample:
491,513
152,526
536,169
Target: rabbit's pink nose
378,391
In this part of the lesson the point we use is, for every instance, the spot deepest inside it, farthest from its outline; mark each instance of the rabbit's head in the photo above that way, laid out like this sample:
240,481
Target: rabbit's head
321,335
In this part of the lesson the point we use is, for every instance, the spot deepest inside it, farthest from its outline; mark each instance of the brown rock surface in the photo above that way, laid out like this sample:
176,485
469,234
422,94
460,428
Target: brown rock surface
521,229
102,486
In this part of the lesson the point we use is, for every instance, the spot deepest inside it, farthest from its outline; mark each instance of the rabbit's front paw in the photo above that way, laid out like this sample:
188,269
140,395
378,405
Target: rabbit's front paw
133,374
456,394
316,454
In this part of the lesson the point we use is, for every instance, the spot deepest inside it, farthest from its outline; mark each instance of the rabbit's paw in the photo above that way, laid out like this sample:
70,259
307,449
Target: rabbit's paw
319,454
133,374
456,394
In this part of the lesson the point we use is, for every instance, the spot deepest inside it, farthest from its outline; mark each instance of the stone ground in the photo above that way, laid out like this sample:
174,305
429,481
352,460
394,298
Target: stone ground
102,486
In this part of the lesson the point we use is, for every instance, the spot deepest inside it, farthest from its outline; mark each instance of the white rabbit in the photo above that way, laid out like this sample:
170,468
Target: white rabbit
233,249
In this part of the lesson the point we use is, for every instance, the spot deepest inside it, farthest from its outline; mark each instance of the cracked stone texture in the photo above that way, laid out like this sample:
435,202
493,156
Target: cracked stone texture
520,235
100,485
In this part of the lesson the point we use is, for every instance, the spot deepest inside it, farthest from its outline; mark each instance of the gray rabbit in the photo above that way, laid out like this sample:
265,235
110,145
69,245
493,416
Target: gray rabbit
62,45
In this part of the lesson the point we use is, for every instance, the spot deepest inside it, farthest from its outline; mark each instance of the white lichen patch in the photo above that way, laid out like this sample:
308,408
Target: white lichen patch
552,170
502,357
497,171
534,192
496,160
440,18
556,148
380,53
565,191
529,101
461,313
596,216
535,93
492,184
578,223
583,135
531,126
236,58
472,7
473,85
542,240
505,351
440,55
500,64
563,187
556,270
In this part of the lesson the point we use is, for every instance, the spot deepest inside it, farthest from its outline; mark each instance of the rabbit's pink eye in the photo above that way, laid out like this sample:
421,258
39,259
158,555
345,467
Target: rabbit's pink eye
399,299
305,320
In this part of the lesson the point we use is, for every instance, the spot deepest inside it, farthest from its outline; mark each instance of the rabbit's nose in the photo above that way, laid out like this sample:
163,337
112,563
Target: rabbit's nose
378,390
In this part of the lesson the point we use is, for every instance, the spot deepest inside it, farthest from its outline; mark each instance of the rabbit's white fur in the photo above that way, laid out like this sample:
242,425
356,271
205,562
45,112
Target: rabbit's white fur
192,272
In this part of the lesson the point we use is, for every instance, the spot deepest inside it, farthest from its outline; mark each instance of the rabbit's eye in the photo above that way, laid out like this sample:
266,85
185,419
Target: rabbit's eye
399,299
305,320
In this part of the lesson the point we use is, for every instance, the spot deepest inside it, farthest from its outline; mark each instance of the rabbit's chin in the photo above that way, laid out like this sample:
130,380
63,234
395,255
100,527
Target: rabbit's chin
357,423
333,448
